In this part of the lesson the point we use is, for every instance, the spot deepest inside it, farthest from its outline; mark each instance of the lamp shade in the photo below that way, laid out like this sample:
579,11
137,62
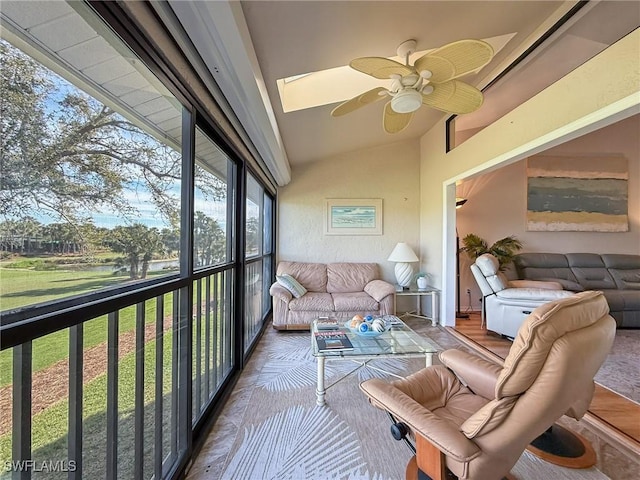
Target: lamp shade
403,253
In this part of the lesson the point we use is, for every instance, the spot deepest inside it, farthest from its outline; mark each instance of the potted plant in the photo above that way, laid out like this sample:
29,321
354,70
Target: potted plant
504,249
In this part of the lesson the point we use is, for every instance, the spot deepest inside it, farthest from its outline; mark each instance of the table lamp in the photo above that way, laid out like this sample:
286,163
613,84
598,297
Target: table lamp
403,256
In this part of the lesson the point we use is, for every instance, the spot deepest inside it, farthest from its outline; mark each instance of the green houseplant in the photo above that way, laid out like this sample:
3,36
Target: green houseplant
504,249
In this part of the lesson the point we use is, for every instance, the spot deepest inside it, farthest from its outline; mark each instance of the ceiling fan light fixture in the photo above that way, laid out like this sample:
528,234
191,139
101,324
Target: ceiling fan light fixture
406,101
432,81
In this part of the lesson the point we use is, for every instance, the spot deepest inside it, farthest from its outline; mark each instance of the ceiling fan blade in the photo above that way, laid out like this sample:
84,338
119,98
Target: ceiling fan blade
380,67
454,97
393,121
360,101
455,59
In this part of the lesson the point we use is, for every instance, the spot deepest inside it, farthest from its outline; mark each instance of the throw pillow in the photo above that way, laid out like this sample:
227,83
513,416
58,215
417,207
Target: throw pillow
291,284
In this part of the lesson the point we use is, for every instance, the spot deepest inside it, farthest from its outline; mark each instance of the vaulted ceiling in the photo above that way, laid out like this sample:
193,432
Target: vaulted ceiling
292,38
247,46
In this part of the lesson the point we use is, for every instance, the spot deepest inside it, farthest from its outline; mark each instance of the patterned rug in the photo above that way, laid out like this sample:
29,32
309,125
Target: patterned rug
272,428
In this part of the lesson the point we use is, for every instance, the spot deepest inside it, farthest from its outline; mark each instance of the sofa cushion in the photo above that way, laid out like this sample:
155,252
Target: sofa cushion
621,261
626,279
312,276
585,260
590,270
354,302
625,270
545,267
350,277
594,278
312,301
291,284
541,260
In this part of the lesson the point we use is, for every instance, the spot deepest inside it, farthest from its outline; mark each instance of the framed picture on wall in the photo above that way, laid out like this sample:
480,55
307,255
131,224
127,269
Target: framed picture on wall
577,194
353,216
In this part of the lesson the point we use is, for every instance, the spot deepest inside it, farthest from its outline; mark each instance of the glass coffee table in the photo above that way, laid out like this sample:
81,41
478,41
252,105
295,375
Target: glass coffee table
398,341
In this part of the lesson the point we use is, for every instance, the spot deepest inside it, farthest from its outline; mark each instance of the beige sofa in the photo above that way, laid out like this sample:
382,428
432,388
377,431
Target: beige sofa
338,290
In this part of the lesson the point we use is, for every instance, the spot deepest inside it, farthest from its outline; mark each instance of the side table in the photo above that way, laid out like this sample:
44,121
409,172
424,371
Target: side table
431,292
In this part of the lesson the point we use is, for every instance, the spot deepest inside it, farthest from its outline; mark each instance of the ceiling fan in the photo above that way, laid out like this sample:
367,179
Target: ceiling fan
431,80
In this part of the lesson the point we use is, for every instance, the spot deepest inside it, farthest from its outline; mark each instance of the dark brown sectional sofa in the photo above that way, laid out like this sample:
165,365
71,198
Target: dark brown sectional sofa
616,275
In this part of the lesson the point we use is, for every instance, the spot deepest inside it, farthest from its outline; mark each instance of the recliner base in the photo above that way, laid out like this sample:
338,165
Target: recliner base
414,473
563,447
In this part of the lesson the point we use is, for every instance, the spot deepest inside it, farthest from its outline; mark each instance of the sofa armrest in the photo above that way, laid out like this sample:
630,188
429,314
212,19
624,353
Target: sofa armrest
281,293
441,433
478,374
379,289
545,285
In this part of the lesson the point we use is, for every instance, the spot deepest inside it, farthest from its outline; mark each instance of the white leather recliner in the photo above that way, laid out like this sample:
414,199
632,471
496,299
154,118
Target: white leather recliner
506,304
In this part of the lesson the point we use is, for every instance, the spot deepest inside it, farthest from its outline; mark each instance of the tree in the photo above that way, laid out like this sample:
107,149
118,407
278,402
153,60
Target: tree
139,244
71,155
64,237
252,238
64,154
171,241
9,235
209,240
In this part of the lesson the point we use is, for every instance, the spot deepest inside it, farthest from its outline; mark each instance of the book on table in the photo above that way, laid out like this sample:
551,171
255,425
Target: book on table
326,323
330,341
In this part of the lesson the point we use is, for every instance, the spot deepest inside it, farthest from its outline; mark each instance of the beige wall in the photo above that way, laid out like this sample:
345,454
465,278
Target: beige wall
497,203
389,172
597,93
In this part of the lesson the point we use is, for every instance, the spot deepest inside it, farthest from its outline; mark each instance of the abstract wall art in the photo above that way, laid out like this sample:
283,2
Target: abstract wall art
577,194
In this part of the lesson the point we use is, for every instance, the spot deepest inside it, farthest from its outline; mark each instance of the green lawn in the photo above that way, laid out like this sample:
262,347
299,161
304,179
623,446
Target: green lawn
49,435
16,286
50,426
20,287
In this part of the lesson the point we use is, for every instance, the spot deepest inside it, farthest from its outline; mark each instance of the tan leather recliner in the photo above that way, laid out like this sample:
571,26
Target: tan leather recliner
476,417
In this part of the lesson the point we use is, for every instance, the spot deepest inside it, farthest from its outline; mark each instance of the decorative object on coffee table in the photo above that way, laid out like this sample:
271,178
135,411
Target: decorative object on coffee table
404,256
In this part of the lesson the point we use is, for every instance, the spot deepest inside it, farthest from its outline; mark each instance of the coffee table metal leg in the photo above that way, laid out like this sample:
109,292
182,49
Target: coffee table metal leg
320,391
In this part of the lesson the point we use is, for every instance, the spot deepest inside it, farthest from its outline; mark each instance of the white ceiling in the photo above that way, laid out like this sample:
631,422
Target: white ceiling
291,38
247,46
